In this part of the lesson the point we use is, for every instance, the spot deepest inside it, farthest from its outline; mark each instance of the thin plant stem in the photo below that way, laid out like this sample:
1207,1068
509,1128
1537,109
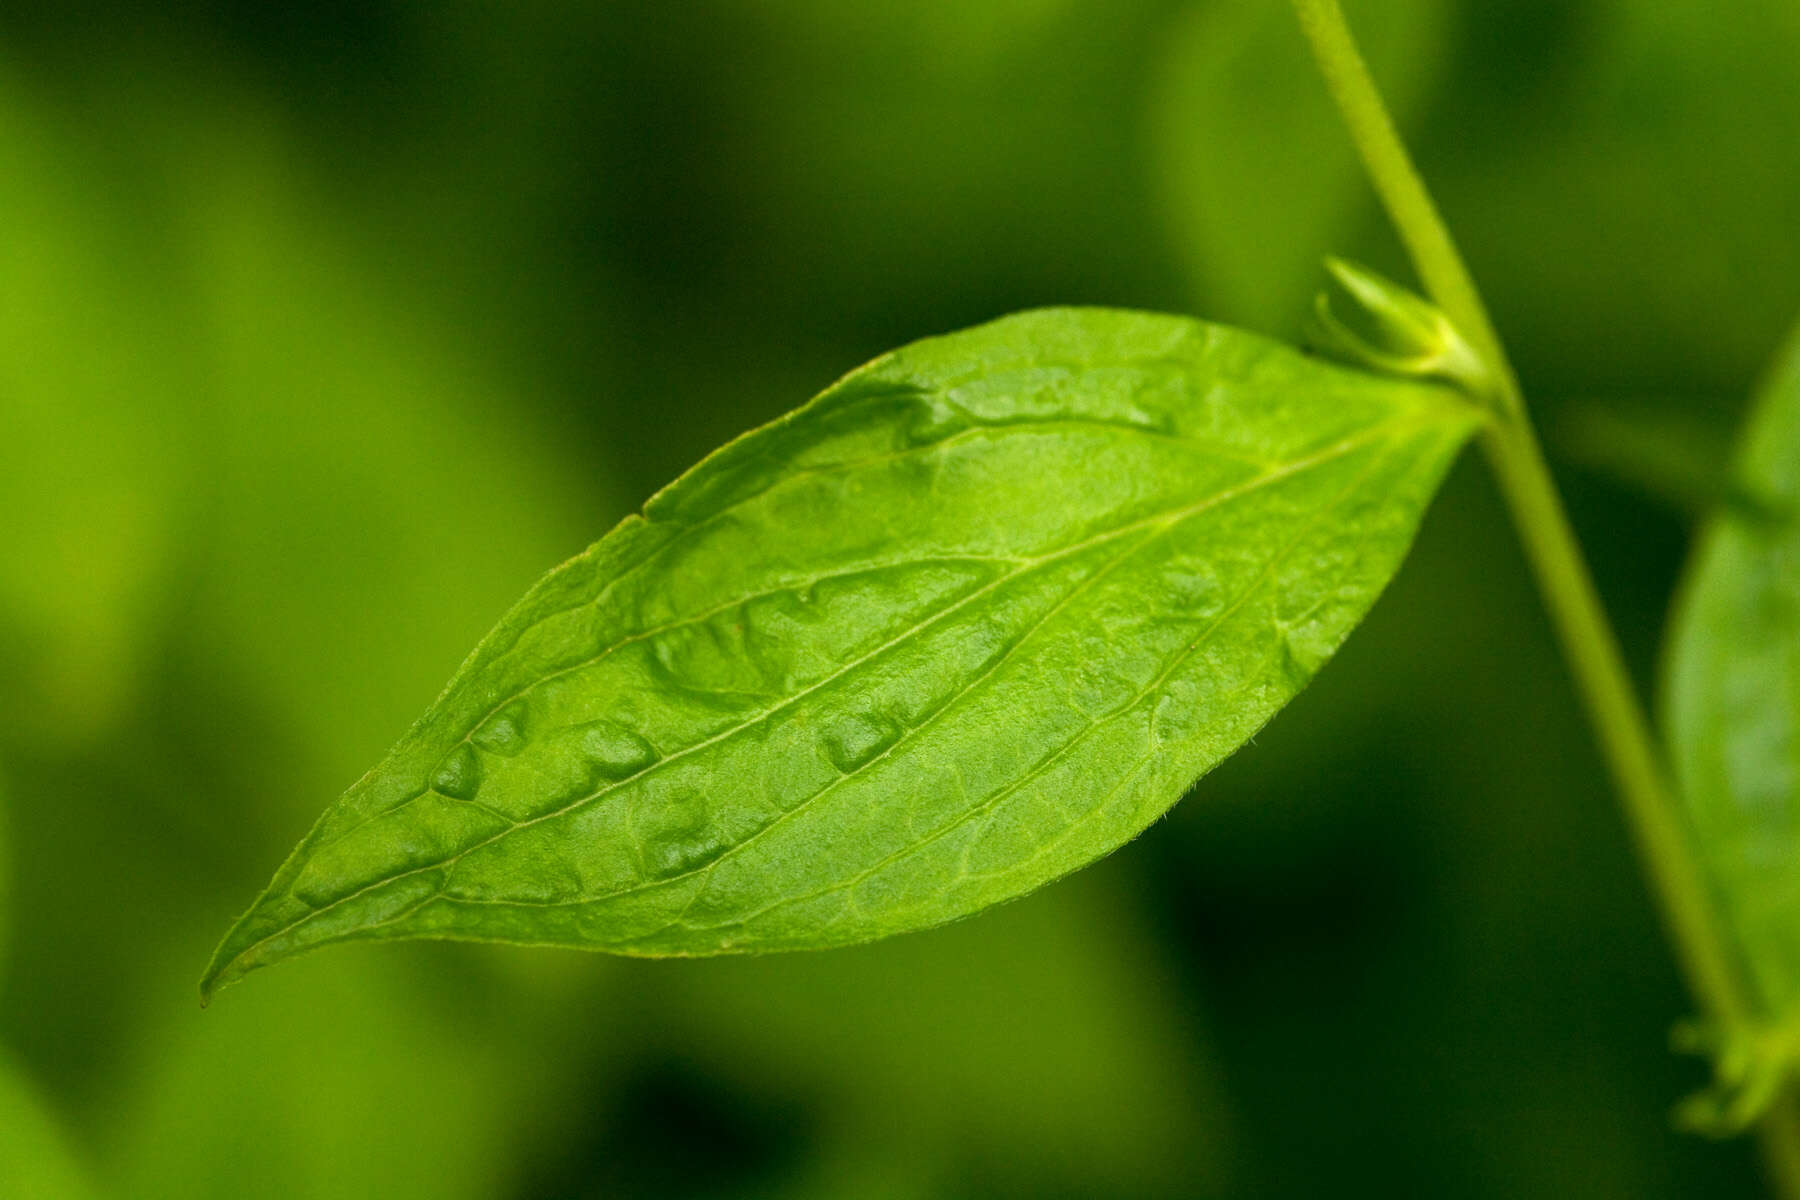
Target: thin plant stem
1588,643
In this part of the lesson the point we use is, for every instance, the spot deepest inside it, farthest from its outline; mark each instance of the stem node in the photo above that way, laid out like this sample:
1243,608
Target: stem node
1588,643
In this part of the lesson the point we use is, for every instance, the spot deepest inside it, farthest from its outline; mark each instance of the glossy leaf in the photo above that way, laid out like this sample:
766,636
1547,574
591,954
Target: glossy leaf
969,620
1733,693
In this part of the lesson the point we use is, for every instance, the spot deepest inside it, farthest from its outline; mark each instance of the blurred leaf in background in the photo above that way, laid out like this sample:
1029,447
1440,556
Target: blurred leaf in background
1732,691
1039,1050
356,498
93,475
6,873
1623,175
1258,181
358,1084
35,1156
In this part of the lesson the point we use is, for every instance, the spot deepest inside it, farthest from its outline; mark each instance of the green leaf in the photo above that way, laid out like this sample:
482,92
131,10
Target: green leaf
971,619
1732,693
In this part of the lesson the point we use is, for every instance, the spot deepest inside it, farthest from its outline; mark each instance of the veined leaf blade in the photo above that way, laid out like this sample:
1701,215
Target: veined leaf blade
972,618
1732,692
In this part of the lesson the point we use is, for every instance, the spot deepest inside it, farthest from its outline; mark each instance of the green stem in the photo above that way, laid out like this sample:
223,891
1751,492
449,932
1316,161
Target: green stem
1588,643
1397,182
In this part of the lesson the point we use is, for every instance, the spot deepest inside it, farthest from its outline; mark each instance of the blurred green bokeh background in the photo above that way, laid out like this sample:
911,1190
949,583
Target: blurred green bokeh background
325,329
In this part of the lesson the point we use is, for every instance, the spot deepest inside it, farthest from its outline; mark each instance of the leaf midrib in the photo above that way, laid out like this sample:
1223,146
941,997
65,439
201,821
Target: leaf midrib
685,531
802,474
1392,428
988,804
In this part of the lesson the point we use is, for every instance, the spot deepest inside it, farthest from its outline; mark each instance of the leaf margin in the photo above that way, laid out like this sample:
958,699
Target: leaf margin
231,960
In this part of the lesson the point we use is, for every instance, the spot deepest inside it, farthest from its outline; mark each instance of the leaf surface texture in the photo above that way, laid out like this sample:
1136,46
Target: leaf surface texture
970,619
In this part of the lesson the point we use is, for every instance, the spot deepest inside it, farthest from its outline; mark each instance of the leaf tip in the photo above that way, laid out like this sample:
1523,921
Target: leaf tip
217,975
228,963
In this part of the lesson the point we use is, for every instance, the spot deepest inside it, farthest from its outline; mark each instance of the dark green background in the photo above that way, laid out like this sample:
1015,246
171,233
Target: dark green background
325,329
